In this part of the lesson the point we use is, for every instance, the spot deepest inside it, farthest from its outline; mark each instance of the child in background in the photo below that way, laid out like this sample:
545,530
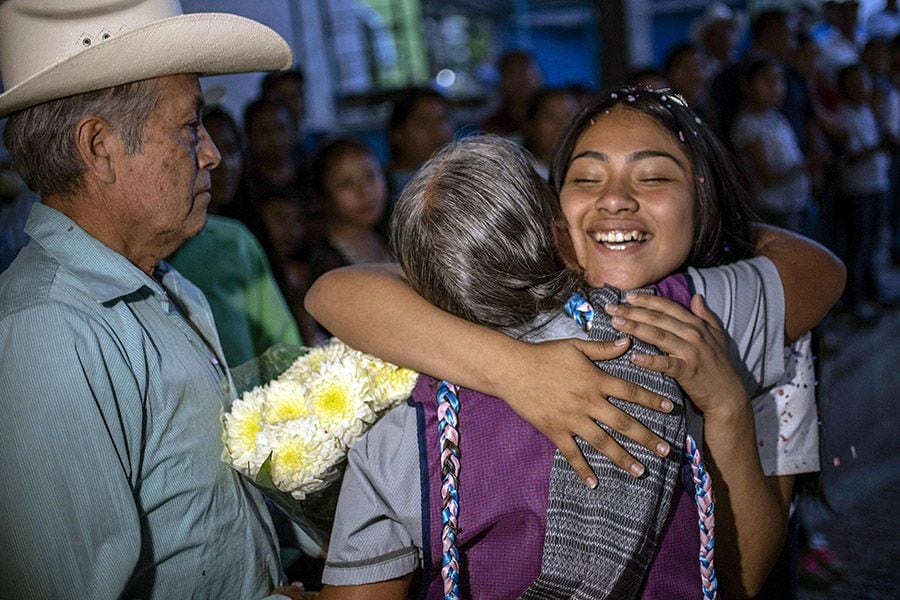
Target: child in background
549,112
420,122
350,186
876,57
863,182
767,147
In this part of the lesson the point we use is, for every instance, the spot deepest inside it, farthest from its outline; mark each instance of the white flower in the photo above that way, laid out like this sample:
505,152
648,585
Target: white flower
302,454
242,425
310,364
302,367
305,420
340,399
390,384
285,400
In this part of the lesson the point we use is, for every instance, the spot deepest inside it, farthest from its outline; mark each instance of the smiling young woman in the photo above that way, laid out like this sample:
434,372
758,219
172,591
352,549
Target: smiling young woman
628,200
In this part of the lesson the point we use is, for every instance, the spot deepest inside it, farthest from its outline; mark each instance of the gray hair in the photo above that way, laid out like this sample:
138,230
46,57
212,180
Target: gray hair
473,233
40,139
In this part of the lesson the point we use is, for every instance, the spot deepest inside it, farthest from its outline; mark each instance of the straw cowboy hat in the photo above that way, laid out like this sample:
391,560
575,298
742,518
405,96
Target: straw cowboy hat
55,48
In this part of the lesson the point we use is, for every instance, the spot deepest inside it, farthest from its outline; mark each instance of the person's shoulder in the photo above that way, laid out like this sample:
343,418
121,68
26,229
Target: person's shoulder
553,325
235,233
222,234
734,278
226,226
34,280
386,457
389,436
225,245
42,316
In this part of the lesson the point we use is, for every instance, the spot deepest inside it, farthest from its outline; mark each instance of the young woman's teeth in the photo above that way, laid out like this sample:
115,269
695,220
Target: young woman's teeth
618,240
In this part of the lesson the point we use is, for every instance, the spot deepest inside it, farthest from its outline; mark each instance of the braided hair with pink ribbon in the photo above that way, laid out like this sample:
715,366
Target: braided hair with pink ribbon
447,397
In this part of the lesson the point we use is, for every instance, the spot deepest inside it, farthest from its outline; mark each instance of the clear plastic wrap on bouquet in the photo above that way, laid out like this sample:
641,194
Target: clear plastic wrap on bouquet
298,412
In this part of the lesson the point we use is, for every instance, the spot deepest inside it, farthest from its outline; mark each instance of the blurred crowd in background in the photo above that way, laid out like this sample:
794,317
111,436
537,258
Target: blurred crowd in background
807,102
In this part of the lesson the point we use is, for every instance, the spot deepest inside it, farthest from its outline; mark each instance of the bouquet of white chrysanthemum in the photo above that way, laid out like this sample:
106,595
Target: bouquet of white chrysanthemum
290,435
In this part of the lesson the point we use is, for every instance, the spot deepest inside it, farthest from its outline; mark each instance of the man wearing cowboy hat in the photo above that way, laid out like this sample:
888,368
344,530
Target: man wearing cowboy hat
112,380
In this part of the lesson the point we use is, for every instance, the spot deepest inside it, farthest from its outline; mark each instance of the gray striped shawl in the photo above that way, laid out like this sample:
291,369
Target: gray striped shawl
599,543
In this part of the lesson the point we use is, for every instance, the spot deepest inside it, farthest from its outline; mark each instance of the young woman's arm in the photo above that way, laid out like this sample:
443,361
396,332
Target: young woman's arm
812,276
554,386
751,509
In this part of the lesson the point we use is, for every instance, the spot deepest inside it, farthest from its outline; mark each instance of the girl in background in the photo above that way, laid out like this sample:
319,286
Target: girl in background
863,184
549,112
350,186
768,148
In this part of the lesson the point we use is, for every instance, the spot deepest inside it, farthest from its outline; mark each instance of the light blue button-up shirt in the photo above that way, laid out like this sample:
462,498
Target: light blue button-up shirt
111,479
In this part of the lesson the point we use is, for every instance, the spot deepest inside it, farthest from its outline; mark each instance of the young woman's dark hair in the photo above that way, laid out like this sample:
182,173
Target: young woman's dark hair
722,211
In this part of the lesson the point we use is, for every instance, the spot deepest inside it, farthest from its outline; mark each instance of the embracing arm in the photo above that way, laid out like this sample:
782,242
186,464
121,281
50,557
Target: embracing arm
812,276
751,509
373,309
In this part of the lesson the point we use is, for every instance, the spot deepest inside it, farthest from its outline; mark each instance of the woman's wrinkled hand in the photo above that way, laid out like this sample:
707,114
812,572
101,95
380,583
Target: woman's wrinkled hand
561,392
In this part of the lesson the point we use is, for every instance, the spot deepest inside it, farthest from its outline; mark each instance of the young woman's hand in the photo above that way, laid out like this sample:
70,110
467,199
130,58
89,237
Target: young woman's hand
557,388
695,349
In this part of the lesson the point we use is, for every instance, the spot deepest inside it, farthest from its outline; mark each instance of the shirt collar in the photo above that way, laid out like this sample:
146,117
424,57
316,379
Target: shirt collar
108,274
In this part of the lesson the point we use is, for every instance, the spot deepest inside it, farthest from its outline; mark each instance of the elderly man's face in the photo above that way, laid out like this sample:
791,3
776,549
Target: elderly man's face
165,188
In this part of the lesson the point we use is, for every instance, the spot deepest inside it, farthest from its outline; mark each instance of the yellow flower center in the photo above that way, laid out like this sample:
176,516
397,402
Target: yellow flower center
246,430
287,409
289,458
332,403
